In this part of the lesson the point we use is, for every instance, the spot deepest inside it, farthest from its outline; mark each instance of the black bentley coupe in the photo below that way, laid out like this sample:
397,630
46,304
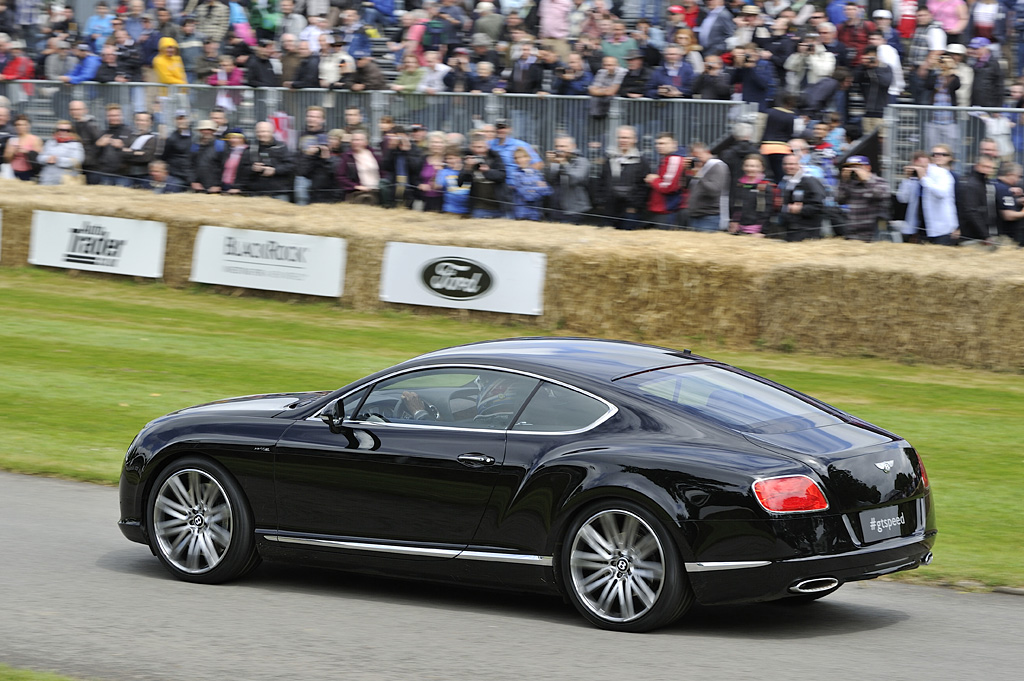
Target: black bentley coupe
632,479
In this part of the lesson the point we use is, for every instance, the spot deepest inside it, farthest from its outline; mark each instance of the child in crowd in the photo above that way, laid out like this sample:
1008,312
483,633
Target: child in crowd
755,199
456,196
528,187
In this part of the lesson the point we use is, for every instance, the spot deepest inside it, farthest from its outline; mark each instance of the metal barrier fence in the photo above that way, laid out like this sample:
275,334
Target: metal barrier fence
534,119
910,127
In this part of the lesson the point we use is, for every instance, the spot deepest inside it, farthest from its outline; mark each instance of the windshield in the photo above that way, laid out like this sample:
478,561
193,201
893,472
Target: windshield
732,399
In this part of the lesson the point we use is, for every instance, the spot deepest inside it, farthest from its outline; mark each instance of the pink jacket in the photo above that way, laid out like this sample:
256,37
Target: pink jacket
554,18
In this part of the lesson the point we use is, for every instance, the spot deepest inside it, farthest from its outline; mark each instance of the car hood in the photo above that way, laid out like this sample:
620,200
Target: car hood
266,405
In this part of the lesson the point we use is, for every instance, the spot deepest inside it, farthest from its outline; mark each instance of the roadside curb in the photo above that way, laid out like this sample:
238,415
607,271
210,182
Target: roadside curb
1015,591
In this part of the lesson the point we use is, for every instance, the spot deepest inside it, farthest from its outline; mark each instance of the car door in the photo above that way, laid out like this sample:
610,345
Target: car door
414,463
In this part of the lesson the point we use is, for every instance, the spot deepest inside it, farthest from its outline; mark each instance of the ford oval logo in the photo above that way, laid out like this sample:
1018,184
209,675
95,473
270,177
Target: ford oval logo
457,278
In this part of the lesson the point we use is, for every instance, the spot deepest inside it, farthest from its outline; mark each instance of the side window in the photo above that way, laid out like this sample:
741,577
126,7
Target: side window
458,397
349,404
554,409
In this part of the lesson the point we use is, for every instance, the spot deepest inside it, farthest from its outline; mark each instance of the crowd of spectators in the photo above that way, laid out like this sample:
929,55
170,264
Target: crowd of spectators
820,76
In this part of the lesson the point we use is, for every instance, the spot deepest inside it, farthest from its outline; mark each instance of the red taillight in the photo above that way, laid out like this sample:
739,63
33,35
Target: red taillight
790,494
924,473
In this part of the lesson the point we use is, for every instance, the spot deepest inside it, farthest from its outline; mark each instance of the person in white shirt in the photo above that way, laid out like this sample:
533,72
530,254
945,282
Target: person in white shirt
888,55
433,74
938,197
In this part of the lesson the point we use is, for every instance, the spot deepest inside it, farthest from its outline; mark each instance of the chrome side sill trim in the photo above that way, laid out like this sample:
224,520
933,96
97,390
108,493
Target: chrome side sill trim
520,558
364,546
424,551
711,566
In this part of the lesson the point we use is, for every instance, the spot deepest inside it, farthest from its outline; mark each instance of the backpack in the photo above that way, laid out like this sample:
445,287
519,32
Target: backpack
433,36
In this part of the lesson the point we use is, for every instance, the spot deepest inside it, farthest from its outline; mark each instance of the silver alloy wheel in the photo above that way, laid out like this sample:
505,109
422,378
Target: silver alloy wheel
617,565
192,521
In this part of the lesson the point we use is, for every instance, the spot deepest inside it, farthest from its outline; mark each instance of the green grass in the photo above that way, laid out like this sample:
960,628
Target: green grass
11,674
87,361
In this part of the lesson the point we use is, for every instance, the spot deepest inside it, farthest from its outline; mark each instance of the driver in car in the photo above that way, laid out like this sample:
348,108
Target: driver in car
502,398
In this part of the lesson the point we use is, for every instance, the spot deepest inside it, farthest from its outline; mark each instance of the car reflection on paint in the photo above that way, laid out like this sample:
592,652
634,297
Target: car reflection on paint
633,479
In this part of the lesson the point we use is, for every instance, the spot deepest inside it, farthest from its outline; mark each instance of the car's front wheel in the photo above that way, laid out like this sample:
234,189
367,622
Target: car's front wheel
621,569
199,522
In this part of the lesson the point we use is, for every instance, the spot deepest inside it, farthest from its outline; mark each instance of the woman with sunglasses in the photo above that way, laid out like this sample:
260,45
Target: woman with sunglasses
938,197
62,156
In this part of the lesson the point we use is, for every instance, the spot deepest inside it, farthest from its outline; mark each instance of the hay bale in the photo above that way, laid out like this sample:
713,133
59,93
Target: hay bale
835,297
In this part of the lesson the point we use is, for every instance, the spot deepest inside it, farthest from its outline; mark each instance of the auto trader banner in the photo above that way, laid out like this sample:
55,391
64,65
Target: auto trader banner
270,261
464,278
98,243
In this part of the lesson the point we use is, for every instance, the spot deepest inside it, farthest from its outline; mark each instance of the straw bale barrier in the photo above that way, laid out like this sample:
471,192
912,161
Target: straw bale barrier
963,306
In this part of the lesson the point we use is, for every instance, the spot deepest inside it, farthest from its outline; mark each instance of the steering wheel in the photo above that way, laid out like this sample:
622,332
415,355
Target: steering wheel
416,408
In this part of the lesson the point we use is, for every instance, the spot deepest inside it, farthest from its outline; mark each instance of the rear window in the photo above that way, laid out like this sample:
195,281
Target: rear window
730,398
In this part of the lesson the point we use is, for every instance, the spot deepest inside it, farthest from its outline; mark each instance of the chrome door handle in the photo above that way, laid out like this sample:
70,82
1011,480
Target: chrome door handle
476,459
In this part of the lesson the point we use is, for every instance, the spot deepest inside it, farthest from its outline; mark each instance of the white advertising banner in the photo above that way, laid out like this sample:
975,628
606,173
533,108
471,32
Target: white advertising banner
269,261
98,243
464,278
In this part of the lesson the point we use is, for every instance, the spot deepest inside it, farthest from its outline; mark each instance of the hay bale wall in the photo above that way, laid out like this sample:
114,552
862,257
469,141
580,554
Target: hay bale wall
962,306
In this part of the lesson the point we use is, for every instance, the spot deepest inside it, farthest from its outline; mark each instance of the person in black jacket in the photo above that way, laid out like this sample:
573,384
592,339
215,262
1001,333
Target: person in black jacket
207,160
622,181
527,72
484,171
258,69
977,209
110,160
987,89
874,78
177,153
803,202
272,165
715,82
308,73
314,173
140,150
634,83
88,132
401,163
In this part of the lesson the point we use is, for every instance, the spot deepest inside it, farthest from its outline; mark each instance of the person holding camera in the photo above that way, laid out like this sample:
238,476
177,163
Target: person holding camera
673,79
874,78
574,78
910,194
866,197
809,64
568,174
484,171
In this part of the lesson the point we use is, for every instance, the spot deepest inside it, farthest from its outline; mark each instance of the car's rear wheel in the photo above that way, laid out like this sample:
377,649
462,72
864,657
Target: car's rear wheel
199,523
621,569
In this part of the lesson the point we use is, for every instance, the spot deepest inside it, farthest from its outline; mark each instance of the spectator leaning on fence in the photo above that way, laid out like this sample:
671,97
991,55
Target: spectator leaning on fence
568,174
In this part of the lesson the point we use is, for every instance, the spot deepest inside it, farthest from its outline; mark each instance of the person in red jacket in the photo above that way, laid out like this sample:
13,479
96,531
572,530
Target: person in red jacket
666,197
19,67
855,31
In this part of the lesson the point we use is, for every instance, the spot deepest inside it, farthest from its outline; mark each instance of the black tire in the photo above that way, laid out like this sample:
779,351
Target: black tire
199,522
621,569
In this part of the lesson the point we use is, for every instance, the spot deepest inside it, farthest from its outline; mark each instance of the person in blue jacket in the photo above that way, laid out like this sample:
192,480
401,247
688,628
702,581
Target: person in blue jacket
86,68
528,187
673,79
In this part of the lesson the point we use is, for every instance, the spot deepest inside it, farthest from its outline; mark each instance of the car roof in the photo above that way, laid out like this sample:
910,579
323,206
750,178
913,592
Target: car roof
593,358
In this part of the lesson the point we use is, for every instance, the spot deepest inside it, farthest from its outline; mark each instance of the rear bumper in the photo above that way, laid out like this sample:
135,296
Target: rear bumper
751,581
132,529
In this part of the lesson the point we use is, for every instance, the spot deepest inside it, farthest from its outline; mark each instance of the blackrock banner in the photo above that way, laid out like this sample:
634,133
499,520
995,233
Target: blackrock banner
464,278
98,243
270,261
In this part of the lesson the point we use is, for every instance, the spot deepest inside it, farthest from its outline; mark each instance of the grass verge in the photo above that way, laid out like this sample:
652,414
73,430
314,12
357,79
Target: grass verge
86,362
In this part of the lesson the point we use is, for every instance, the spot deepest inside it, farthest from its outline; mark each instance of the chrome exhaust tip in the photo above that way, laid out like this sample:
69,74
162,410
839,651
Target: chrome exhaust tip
927,559
813,586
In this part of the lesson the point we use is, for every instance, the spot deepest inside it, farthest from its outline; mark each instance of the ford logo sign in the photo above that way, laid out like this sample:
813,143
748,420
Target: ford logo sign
457,278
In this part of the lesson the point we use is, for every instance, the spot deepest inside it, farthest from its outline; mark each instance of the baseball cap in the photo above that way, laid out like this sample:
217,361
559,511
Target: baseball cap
181,113
676,9
502,123
882,14
857,161
634,54
979,42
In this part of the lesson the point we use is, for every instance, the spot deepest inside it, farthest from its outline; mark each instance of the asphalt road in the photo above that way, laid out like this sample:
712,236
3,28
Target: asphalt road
79,599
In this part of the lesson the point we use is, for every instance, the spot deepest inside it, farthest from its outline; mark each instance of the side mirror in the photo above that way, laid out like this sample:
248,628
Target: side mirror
331,417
